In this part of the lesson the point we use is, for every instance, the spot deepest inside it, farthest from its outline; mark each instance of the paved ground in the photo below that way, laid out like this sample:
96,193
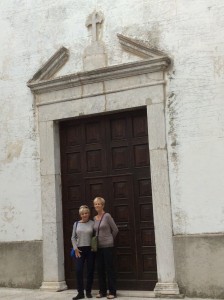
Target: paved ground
25,294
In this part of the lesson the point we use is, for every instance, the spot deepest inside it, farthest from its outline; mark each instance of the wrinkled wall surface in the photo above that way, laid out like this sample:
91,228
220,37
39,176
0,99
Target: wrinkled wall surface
190,32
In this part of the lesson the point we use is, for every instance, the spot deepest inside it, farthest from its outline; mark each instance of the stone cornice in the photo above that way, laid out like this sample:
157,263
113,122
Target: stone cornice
153,61
99,75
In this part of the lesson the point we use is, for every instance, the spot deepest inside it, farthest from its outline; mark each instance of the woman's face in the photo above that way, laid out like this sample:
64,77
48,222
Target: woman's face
85,215
98,206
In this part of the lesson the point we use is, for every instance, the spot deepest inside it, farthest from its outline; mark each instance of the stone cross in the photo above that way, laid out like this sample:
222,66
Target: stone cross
93,20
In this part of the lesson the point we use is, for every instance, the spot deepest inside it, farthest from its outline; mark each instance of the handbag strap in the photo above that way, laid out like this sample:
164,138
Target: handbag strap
99,224
76,224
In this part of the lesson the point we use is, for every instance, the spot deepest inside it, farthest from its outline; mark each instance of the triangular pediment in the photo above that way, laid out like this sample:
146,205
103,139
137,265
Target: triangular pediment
151,60
139,48
52,66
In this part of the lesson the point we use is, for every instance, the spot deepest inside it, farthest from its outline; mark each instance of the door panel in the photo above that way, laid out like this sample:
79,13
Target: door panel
108,156
122,209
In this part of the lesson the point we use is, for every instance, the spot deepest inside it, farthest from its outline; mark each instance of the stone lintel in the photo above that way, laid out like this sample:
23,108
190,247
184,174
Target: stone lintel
102,74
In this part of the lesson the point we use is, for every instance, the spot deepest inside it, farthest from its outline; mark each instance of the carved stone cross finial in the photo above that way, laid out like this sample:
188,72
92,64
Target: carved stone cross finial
95,56
92,20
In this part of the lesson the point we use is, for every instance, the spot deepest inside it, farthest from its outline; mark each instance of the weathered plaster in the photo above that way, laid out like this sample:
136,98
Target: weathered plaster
190,32
21,264
13,151
200,264
195,115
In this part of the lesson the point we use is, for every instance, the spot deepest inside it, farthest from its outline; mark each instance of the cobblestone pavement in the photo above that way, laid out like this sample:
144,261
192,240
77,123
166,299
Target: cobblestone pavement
25,294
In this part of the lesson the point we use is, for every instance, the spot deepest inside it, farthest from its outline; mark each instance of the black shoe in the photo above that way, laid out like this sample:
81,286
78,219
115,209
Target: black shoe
89,295
79,296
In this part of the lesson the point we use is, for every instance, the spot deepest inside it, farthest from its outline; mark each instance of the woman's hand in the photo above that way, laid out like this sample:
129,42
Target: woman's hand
77,253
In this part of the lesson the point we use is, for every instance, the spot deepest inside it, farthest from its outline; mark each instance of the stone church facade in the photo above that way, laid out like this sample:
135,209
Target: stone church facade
123,101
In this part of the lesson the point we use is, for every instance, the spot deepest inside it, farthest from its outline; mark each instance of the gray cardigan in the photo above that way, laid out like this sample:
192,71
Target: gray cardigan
108,231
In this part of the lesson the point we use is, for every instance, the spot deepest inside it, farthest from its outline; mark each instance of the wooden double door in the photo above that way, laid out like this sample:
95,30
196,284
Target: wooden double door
108,156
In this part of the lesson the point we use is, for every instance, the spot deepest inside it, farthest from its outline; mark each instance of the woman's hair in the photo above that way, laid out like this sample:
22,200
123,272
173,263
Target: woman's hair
83,208
99,199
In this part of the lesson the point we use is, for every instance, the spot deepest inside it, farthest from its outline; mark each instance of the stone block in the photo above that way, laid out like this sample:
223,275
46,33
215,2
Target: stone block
126,99
72,108
59,95
49,148
156,126
51,198
92,89
53,253
162,215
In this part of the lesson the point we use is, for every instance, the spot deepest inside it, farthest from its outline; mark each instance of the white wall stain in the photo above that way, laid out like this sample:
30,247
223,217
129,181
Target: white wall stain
219,66
13,150
8,213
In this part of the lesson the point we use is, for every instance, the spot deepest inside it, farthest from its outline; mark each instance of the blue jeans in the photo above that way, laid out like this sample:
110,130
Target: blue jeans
88,256
105,270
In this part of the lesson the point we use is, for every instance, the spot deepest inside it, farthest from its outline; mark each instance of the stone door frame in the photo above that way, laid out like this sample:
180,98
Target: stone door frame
109,89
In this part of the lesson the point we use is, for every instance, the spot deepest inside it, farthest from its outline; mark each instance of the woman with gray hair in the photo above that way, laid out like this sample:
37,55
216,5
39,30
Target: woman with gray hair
81,239
106,230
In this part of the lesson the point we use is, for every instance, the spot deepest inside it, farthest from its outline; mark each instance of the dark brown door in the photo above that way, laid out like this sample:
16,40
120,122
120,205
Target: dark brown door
108,156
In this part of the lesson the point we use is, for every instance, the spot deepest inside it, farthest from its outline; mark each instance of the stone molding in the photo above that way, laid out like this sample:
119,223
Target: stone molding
102,74
139,48
111,91
53,65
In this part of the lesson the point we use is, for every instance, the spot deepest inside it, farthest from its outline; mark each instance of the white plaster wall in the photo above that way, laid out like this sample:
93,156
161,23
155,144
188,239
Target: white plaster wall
189,31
